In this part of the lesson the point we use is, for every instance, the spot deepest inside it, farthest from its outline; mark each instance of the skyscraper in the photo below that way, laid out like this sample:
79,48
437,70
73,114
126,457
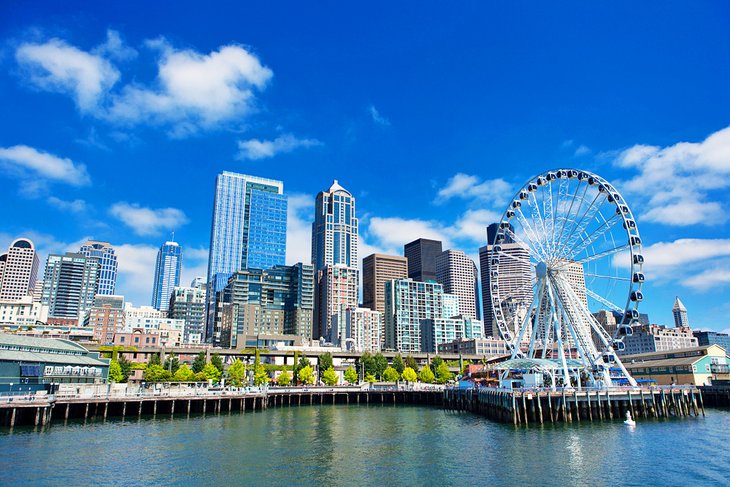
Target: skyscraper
455,271
376,270
167,274
70,285
407,304
107,264
334,255
248,231
188,304
680,314
18,270
421,255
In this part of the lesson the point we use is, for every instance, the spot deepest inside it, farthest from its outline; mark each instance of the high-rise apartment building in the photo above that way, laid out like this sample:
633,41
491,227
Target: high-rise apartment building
680,314
18,270
363,330
198,282
107,264
248,231
377,269
106,317
69,287
436,331
421,255
334,255
167,274
188,304
455,271
407,303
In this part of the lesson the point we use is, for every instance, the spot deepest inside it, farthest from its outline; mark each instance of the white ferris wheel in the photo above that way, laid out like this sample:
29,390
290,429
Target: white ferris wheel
567,244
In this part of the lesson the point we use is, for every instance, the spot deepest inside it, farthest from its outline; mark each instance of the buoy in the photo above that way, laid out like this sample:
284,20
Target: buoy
629,421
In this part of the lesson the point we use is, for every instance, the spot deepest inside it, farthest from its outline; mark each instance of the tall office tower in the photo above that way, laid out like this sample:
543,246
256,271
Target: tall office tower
477,301
455,271
167,274
334,255
18,270
188,304
107,264
421,255
376,270
407,304
680,314
106,317
514,281
69,287
269,302
248,231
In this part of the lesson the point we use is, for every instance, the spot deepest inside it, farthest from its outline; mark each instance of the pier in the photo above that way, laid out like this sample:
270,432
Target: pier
525,407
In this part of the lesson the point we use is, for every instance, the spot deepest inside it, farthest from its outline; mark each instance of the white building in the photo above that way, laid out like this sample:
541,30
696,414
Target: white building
451,305
680,314
22,312
363,330
169,330
407,303
436,331
456,272
338,292
18,270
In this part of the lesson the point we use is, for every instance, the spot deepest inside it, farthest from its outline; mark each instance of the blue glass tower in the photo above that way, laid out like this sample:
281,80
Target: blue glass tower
248,231
167,274
107,264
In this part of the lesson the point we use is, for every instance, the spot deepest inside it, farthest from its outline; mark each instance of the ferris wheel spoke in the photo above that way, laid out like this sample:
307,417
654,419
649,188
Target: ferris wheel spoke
604,301
577,248
514,257
539,224
599,255
517,291
570,209
536,246
580,226
548,211
615,278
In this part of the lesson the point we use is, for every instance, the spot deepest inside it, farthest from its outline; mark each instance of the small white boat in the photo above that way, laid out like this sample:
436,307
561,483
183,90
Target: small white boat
629,421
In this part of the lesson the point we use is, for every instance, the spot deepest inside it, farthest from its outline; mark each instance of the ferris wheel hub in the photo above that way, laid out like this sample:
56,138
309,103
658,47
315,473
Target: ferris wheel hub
541,270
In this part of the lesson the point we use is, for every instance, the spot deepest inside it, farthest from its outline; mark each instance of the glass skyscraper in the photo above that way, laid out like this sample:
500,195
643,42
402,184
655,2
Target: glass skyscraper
167,274
107,264
248,231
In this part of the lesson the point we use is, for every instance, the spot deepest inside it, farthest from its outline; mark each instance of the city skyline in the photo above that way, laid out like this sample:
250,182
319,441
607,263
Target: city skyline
471,149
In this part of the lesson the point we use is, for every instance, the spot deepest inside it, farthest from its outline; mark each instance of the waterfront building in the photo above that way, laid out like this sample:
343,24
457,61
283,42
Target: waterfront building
455,271
514,280
167,274
170,331
18,270
23,312
680,314
188,304
34,363
74,333
363,329
70,285
107,264
656,338
334,255
698,365
106,317
248,231
712,338
421,255
435,331
138,337
407,303
274,301
487,347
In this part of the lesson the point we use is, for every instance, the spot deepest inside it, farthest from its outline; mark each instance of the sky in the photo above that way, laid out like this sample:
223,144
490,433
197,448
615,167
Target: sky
117,116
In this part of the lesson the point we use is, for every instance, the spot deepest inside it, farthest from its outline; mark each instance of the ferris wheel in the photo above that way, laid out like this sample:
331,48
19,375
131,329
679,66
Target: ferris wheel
568,244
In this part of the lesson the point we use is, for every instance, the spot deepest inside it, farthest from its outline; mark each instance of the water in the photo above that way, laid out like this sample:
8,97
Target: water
361,445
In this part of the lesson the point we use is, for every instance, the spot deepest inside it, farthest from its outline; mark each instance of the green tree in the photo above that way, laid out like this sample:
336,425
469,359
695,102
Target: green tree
411,362
381,363
370,377
199,362
295,367
199,376
303,362
155,373
426,375
237,373
368,363
330,377
172,363
284,379
351,376
155,359
324,362
217,362
391,375
443,374
306,375
184,374
409,374
210,371
115,372
260,377
398,363
436,361
126,367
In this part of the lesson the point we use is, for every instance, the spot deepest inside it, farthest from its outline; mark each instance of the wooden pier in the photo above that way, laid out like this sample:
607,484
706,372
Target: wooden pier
567,406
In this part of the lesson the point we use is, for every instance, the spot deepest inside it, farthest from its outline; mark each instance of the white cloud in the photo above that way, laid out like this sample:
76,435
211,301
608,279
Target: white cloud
582,150
115,47
711,278
377,117
255,149
147,221
473,224
300,211
75,206
679,181
465,186
393,232
32,163
194,90
60,67
195,263
136,271
690,262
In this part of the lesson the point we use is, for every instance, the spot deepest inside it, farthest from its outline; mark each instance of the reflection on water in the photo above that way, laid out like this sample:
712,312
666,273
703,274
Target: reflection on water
379,445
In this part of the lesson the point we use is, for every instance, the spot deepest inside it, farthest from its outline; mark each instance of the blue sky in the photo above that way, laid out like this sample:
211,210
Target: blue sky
117,117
